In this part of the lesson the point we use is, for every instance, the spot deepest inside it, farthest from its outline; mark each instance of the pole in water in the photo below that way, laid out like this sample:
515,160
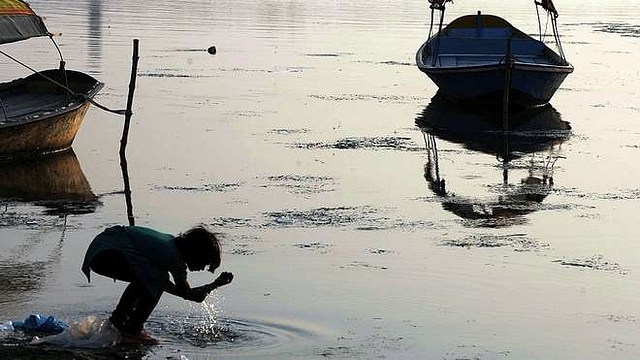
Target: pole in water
507,88
125,133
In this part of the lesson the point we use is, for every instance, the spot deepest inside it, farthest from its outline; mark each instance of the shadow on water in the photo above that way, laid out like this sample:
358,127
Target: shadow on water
532,143
55,181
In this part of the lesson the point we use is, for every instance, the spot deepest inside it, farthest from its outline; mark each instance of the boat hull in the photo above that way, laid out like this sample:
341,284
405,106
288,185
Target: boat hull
476,57
484,86
38,117
46,135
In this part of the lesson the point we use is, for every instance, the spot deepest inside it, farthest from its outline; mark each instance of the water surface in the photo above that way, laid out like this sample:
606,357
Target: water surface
313,144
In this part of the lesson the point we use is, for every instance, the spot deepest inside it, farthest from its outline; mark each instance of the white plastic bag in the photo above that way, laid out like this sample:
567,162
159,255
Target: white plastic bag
7,327
90,332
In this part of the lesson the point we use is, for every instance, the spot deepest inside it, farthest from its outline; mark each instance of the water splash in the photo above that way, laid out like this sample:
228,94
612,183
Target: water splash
208,325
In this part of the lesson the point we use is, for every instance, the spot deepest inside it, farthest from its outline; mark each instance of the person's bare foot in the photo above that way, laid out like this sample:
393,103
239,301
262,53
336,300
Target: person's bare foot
140,338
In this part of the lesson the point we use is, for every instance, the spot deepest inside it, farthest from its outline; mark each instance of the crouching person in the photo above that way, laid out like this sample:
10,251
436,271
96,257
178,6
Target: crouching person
144,258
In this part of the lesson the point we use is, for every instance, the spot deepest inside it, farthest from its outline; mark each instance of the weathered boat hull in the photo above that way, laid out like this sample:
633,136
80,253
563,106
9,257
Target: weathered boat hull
47,135
39,117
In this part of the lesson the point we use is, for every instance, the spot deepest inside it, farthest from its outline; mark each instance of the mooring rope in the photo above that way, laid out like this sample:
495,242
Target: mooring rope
93,102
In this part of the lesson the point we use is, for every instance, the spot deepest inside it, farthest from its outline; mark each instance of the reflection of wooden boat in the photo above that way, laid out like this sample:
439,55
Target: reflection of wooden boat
54,180
476,57
539,130
42,112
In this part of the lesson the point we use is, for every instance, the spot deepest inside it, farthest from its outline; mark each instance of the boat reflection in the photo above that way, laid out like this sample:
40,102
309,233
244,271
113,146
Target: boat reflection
55,181
532,144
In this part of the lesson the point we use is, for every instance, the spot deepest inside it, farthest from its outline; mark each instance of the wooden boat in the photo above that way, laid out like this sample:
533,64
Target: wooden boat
42,112
475,58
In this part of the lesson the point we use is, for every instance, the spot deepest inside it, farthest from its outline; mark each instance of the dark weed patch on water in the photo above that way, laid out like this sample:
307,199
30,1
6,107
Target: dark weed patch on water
303,184
386,98
167,74
203,188
621,194
189,50
519,242
288,131
323,55
337,216
380,251
318,246
368,143
360,218
363,265
242,249
596,262
622,29
232,222
396,63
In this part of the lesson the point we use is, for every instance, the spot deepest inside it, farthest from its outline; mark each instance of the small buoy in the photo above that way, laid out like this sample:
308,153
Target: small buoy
212,50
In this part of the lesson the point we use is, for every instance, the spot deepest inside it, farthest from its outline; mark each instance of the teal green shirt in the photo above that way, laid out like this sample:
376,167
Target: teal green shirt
153,255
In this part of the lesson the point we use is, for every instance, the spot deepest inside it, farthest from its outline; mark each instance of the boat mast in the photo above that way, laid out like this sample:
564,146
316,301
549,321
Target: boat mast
552,13
437,5
62,67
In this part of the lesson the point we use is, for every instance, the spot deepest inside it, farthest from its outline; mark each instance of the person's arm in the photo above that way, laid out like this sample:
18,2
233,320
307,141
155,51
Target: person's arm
197,294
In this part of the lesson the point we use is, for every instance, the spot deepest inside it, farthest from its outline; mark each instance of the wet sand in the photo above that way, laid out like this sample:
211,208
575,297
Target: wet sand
311,142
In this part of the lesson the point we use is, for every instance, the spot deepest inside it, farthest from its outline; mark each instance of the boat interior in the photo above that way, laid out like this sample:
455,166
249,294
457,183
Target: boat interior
478,40
35,96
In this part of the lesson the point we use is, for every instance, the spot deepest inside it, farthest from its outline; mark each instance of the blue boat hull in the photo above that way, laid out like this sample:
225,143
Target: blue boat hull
470,58
484,86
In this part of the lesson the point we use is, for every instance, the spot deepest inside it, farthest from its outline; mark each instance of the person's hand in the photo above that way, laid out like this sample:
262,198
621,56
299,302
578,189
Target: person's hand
224,278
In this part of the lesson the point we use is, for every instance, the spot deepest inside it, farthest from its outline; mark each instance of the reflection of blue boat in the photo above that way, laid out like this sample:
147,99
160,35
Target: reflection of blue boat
532,130
475,57
536,130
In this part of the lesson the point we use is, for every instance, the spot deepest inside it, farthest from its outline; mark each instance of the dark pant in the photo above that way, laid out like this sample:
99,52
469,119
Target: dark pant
136,303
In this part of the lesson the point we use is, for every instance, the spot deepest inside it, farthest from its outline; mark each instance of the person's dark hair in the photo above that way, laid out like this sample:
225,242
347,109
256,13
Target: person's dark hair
200,244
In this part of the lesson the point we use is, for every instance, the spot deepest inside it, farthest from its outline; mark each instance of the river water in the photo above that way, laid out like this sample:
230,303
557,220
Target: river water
298,143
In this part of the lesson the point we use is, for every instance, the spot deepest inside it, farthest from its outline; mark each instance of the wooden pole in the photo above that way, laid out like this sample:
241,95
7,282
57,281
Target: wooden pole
125,133
507,88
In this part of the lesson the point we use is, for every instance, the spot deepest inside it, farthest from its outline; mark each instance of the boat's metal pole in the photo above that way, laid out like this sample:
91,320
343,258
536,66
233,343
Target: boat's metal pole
437,50
125,133
507,87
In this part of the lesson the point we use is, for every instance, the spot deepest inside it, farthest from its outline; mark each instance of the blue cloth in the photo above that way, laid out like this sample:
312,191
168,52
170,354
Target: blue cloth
38,323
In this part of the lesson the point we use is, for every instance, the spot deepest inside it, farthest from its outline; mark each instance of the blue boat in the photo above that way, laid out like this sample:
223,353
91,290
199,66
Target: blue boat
475,58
